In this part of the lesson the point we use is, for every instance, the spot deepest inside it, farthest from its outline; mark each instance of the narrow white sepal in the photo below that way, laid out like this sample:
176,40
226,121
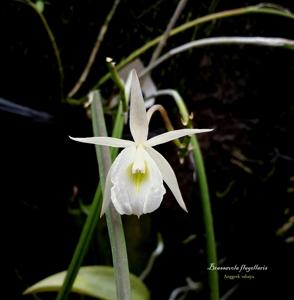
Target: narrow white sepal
168,175
138,117
128,87
105,141
172,135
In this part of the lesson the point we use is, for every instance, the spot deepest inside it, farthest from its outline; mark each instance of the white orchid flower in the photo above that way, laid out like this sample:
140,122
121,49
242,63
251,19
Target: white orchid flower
134,182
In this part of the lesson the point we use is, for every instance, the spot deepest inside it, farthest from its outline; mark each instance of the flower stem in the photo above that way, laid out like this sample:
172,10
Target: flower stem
114,223
95,50
211,252
90,224
117,80
181,5
179,101
255,9
208,219
51,37
166,120
224,40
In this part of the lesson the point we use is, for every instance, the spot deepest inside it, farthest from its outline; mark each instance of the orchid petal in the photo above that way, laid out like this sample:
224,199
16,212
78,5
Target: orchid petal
105,141
138,117
168,175
172,135
132,196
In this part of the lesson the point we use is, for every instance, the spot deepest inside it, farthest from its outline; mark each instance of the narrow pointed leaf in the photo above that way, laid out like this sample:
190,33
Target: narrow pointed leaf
93,281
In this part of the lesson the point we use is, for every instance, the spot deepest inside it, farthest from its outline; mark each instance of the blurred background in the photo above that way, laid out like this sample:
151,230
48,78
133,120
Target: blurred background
244,92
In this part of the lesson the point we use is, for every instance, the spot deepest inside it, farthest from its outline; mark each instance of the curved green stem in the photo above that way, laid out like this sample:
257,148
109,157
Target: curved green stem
117,80
179,101
53,44
181,5
256,9
221,40
95,50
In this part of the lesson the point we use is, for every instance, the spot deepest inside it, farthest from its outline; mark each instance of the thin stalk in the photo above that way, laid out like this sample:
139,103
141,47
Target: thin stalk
166,120
114,223
208,219
256,41
156,252
185,118
181,5
52,42
211,9
211,252
117,80
179,101
117,128
95,50
255,9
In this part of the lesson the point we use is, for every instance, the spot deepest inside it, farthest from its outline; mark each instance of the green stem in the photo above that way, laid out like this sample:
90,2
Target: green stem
208,219
237,40
114,223
181,5
91,222
211,252
179,101
53,44
117,128
95,50
256,9
117,80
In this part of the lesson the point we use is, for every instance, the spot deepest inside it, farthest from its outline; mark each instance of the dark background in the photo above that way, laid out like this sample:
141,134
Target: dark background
244,92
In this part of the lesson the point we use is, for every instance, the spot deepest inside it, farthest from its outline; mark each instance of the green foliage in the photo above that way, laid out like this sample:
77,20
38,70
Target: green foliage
94,281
